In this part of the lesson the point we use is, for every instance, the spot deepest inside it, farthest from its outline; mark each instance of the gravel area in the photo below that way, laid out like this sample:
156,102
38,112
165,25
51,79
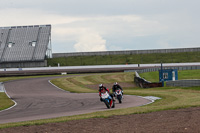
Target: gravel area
171,121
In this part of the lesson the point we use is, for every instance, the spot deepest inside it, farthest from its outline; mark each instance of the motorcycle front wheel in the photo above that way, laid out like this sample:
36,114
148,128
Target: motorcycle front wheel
107,104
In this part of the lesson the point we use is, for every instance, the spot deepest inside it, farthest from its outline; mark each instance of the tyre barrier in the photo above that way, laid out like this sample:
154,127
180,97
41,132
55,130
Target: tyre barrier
143,83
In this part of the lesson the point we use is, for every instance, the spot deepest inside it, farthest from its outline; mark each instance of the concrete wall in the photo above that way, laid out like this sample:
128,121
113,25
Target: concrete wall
183,83
23,64
55,55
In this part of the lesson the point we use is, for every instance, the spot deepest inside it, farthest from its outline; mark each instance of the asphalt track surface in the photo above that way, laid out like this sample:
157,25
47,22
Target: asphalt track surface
38,99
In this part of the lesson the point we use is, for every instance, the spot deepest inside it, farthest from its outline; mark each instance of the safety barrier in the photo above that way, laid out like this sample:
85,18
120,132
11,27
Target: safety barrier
1,87
143,83
158,68
184,83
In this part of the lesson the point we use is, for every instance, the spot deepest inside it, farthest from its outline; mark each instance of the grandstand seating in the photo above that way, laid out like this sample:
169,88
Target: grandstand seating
24,43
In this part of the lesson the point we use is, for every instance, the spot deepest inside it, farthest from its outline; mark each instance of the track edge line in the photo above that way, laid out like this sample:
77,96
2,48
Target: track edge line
8,97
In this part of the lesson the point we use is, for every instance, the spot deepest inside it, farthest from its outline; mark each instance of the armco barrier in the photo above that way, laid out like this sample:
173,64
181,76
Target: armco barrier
158,68
141,82
184,83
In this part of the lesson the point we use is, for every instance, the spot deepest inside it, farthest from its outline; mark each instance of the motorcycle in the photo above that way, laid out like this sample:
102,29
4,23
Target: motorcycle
108,100
118,95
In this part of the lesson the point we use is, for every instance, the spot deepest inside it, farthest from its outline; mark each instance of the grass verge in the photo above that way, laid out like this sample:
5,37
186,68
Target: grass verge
186,74
181,57
172,97
5,102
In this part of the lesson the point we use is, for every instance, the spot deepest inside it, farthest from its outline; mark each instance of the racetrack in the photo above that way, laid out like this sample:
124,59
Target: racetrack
37,99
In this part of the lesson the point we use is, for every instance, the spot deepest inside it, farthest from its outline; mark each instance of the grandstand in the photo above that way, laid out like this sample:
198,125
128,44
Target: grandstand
25,46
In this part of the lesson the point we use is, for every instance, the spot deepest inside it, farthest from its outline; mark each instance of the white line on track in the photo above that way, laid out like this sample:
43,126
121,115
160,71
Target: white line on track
10,98
56,86
151,98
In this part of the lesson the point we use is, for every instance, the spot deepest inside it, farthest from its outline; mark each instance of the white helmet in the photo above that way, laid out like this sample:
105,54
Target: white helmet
101,85
115,83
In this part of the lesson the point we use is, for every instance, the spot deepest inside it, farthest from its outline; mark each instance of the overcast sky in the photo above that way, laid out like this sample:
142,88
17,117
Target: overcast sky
100,25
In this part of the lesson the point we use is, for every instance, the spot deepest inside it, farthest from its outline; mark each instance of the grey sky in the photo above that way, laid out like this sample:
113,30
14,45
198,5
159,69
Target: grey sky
98,25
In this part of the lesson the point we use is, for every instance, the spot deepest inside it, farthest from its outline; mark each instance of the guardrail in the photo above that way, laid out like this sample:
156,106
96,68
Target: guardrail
165,67
184,83
141,82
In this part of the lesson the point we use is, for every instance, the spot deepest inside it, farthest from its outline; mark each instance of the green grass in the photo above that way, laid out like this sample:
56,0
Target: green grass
189,74
78,84
172,97
5,102
150,76
186,74
124,59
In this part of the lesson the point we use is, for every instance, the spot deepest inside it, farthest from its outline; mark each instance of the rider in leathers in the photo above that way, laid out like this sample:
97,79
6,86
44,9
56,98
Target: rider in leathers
102,89
115,87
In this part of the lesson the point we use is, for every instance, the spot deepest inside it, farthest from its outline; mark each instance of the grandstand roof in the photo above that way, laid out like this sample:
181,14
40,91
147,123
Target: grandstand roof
24,43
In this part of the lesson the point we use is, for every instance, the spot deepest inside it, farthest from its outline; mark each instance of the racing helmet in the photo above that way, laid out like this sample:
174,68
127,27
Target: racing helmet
115,83
100,85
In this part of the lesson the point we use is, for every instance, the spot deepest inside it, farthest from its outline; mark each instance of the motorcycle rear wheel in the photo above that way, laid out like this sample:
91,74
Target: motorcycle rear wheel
119,99
113,105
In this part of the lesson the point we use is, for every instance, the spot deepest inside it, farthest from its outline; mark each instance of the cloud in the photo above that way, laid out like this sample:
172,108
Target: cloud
90,33
90,42
24,16
84,33
93,31
99,32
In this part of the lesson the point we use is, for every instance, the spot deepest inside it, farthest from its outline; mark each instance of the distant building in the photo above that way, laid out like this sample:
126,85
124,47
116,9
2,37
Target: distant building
25,46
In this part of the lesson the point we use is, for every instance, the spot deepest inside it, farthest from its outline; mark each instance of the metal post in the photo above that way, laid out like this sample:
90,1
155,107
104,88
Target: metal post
96,59
162,80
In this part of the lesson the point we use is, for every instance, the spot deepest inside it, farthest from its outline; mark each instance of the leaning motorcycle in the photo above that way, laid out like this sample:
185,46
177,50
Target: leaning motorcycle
118,95
108,100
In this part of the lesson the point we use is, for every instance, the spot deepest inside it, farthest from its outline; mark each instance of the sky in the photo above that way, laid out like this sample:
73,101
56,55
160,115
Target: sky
109,25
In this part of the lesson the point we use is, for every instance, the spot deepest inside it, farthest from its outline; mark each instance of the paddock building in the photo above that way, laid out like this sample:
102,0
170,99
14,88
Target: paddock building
25,46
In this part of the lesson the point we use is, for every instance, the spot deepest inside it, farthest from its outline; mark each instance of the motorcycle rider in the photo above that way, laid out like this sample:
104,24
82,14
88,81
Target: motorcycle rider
115,87
103,89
